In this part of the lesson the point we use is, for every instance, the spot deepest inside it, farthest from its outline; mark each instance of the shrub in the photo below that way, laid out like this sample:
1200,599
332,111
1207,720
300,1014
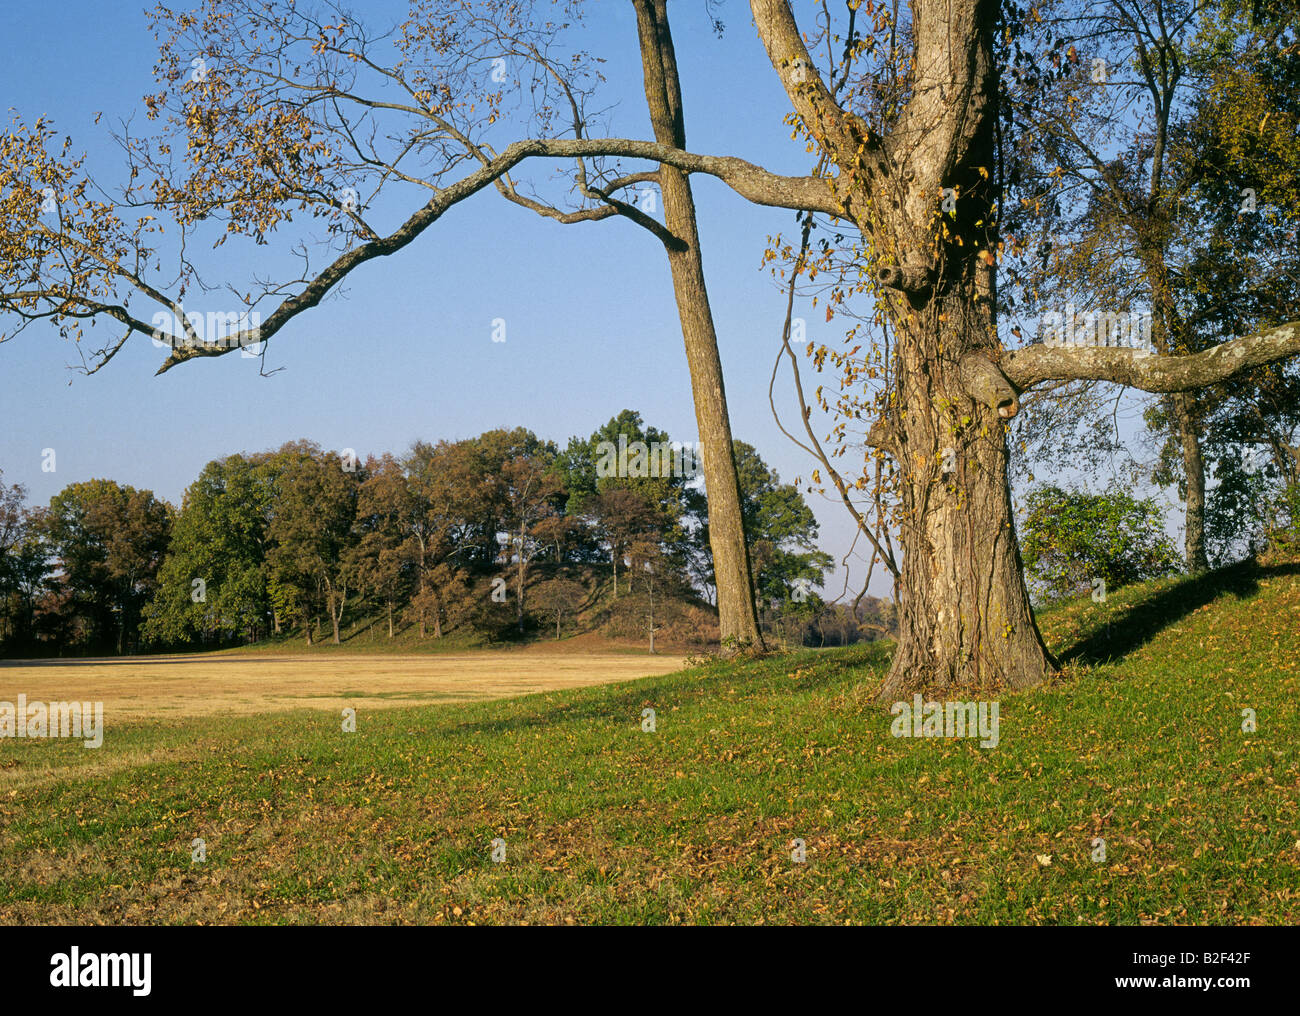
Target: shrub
1072,538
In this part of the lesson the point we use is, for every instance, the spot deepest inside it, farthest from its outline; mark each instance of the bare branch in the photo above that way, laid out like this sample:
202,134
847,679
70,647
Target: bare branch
746,179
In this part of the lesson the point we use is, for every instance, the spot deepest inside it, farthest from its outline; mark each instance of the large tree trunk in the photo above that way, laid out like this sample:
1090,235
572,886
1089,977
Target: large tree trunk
737,616
965,619
964,614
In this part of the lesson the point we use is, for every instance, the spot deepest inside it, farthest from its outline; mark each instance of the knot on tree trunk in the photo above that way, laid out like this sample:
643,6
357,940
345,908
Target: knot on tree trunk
915,280
985,383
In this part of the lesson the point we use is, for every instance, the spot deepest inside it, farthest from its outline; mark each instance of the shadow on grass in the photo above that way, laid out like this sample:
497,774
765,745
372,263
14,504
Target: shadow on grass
1144,620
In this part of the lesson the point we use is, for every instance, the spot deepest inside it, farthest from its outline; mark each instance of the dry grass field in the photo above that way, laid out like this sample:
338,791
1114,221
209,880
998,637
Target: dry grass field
167,687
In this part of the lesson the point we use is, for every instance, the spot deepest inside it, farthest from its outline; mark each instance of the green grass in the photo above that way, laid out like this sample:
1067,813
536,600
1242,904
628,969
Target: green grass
1139,742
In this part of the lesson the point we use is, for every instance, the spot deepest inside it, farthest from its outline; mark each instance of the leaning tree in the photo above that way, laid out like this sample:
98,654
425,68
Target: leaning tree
912,172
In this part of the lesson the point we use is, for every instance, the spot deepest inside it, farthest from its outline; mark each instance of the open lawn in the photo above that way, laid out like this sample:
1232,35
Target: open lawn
1142,743
165,687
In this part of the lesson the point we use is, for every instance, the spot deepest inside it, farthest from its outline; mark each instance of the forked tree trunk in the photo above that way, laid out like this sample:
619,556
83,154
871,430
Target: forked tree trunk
737,616
964,614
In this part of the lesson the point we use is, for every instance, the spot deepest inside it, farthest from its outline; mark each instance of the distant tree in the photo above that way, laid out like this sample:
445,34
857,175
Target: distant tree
383,557
628,454
23,566
564,538
311,532
622,517
530,494
646,559
781,531
448,496
214,574
13,500
109,541
558,598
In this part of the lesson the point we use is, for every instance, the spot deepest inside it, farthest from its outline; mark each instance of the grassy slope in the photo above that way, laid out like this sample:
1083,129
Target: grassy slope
693,823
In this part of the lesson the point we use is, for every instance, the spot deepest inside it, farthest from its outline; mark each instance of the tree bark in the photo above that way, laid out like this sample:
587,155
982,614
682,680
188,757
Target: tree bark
965,618
1189,435
737,614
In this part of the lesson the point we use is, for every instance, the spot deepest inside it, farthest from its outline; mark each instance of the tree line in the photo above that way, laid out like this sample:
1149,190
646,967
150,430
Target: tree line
500,536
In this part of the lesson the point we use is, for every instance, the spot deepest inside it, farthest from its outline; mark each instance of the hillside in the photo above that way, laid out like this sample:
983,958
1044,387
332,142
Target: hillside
601,624
1140,743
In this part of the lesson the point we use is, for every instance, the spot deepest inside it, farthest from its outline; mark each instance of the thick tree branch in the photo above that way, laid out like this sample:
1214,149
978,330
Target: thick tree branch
883,436
914,280
1147,371
848,138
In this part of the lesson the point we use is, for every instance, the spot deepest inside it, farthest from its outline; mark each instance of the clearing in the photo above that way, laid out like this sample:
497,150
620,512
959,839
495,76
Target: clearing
162,687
